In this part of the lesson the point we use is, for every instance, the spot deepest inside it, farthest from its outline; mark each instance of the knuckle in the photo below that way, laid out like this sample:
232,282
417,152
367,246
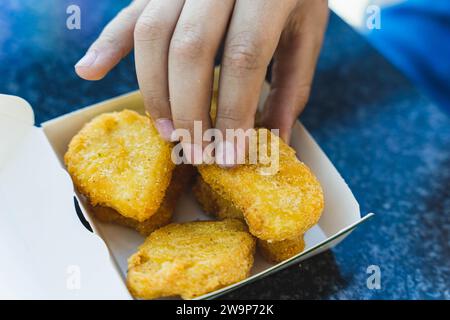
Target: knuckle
109,39
189,43
184,123
157,104
243,53
149,28
232,117
129,14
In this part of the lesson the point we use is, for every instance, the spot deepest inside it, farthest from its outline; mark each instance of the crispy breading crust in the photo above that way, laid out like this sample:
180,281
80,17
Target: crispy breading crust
181,177
276,207
216,206
213,204
118,160
278,251
191,259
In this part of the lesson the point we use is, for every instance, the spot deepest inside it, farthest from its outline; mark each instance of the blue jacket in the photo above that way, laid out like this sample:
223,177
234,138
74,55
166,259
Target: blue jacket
415,36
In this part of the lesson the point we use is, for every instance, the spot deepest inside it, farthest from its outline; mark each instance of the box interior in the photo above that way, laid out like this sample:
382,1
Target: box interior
340,216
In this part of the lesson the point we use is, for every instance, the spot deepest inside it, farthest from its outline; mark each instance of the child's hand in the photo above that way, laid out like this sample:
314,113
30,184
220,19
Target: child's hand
175,42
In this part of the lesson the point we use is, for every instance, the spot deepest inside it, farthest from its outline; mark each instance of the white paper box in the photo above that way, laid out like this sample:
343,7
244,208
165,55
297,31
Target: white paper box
47,253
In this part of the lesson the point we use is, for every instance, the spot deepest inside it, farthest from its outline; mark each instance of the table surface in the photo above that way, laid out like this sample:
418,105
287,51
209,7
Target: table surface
389,142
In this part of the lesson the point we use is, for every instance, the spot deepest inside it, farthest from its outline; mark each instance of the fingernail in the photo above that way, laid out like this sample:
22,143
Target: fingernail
225,154
88,59
165,128
193,153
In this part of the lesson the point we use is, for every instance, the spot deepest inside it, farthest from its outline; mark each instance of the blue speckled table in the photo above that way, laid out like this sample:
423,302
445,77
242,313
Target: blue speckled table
390,143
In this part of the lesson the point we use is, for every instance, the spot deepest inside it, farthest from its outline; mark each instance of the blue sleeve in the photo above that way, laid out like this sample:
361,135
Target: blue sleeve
415,36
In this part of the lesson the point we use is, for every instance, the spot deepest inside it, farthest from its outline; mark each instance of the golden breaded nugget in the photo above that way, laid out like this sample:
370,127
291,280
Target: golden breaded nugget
118,160
278,251
180,178
213,204
191,259
161,218
276,206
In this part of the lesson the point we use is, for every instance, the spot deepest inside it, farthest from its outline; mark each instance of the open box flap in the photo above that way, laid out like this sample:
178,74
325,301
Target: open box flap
45,252
16,108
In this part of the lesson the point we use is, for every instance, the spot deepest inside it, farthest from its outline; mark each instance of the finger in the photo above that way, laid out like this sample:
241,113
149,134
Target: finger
152,36
253,35
196,39
114,43
293,69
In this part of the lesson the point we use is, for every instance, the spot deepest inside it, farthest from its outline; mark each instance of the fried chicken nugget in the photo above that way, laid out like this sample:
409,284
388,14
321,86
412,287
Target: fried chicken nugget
180,179
213,204
191,259
118,160
277,206
278,251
